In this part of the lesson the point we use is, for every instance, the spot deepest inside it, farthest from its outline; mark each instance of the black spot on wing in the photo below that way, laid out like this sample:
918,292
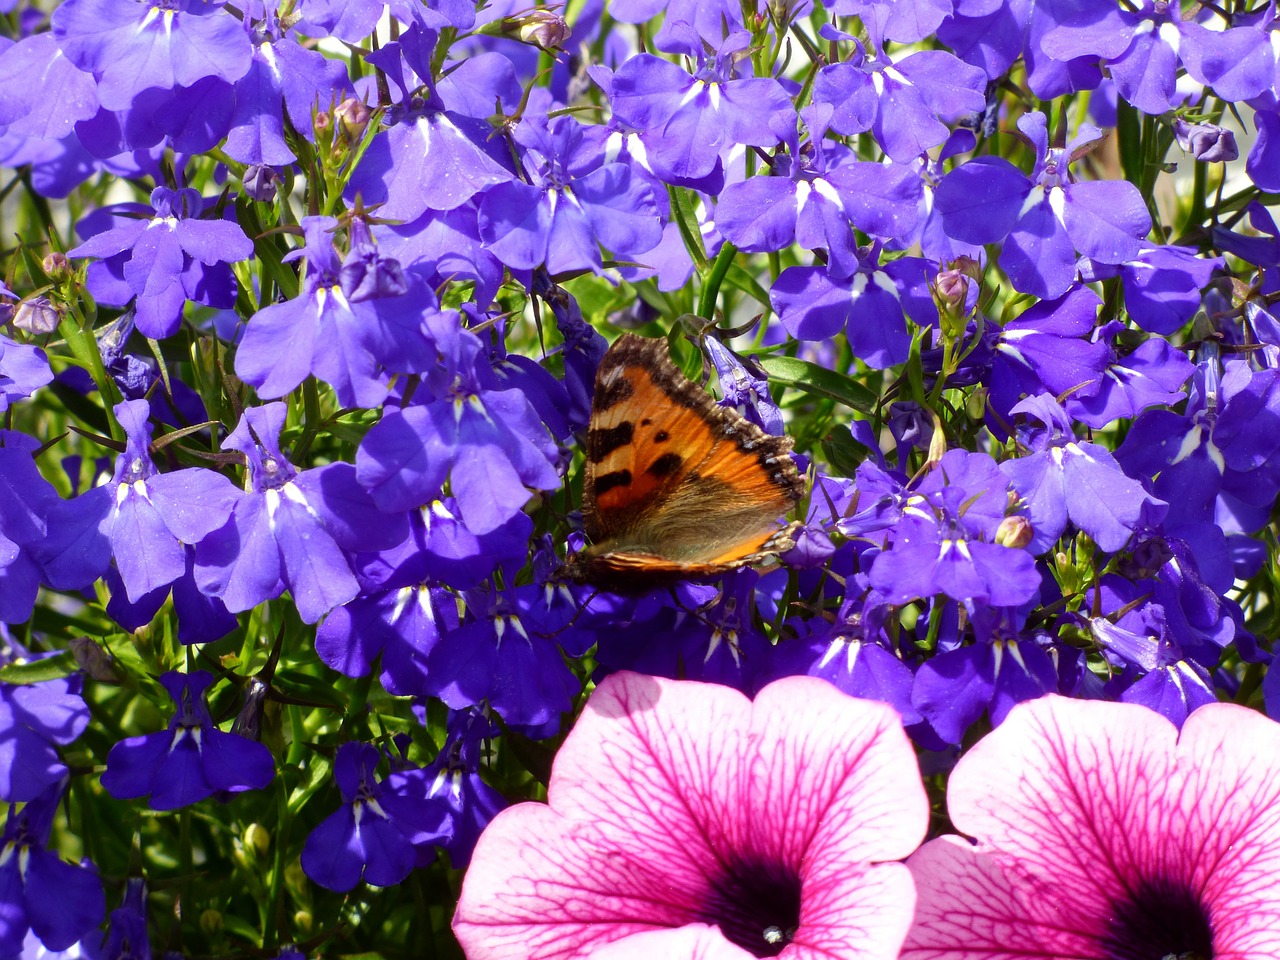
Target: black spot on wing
665,465
611,394
661,436
602,441
607,482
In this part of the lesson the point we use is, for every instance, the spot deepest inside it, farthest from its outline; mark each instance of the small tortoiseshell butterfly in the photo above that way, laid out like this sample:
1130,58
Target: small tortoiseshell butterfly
676,487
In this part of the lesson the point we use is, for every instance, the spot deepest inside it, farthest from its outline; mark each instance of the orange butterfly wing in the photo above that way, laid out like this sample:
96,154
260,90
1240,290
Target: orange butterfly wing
676,487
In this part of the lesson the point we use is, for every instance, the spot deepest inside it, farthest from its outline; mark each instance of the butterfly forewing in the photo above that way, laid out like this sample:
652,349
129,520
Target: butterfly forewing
675,485
647,431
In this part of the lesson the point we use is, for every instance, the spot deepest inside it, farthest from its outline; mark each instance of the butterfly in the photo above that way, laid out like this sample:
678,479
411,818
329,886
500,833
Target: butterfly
675,486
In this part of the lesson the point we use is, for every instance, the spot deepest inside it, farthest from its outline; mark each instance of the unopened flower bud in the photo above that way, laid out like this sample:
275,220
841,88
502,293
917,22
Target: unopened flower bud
56,265
543,29
1014,532
93,660
353,116
260,182
257,838
953,288
37,315
211,922
1206,141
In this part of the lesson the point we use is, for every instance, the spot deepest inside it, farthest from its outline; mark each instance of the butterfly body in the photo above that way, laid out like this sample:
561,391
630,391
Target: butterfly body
676,487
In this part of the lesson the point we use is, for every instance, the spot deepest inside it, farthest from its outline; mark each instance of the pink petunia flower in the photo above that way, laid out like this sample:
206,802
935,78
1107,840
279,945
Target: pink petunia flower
684,820
1104,834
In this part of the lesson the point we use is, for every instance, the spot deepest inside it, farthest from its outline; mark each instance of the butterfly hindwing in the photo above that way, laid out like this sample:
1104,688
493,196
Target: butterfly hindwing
675,485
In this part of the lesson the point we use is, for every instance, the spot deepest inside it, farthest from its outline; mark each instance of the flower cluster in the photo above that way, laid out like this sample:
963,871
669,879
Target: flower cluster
301,326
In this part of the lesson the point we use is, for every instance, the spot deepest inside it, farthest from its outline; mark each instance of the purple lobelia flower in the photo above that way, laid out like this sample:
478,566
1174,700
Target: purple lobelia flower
153,514
1046,349
1004,666
25,500
434,156
36,719
690,119
42,94
871,305
1220,450
350,340
126,937
682,813
952,540
1144,643
903,101
572,205
1045,218
488,443
1162,285
371,836
1184,867
142,518
1153,374
163,260
506,653
291,529
1066,479
191,759
452,782
395,625
283,76
992,34
1142,47
815,197
853,653
707,634
130,47
57,901
24,369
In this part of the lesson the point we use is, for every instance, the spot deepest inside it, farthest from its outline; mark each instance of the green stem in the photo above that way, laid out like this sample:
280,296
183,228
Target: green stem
711,288
687,223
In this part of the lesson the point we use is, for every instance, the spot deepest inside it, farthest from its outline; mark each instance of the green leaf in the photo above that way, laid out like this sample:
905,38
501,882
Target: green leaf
821,382
843,452
48,668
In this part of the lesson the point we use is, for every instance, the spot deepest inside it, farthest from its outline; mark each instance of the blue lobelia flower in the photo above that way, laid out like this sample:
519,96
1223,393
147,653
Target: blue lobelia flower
870,305
451,782
815,197
25,500
573,204
901,100
130,47
1044,218
371,836
163,260
24,369
43,94
953,540
344,327
36,719
1066,479
191,759
142,518
506,652
59,902
126,937
291,529
690,119
488,443
436,154
283,75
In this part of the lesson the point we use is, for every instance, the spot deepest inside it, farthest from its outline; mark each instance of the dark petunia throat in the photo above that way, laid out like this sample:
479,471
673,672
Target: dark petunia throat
756,907
1161,920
